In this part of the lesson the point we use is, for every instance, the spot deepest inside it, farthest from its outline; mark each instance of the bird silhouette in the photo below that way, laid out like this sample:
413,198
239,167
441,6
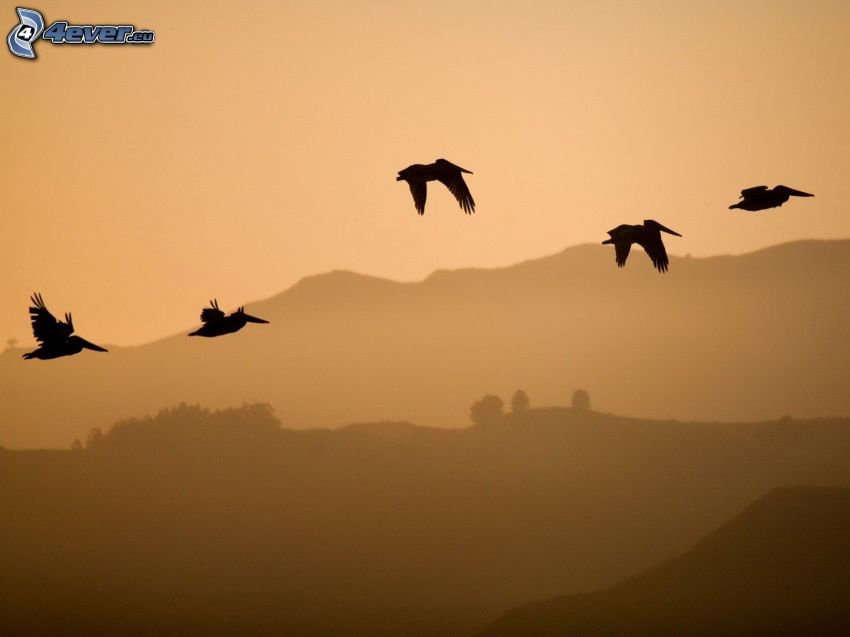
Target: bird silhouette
54,337
215,323
762,197
647,236
417,177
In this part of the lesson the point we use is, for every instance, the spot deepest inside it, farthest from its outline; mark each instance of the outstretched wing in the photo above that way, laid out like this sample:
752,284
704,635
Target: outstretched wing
457,186
45,327
622,252
419,190
749,192
211,314
654,247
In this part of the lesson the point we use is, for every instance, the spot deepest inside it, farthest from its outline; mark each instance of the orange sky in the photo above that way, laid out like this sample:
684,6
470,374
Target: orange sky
256,143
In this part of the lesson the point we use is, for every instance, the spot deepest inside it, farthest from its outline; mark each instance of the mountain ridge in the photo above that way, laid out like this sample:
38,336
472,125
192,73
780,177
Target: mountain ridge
719,338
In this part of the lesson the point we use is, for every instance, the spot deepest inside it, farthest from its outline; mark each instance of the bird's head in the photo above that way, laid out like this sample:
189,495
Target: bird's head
651,223
447,164
84,344
791,191
247,317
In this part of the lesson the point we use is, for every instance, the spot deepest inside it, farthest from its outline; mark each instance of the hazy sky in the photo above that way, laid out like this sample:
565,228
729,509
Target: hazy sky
257,143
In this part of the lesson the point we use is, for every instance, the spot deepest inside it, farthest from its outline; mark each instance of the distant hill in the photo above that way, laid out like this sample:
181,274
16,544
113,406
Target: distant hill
221,523
781,568
747,337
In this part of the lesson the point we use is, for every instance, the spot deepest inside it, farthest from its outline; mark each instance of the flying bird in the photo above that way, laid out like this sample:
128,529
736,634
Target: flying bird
55,337
417,177
215,323
648,236
762,197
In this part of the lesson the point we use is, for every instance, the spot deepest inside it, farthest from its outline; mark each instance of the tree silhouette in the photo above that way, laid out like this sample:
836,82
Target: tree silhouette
581,400
95,437
520,402
487,411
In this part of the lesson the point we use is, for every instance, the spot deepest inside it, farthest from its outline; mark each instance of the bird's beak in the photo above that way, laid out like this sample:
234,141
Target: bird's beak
254,319
667,230
464,170
96,348
399,178
798,193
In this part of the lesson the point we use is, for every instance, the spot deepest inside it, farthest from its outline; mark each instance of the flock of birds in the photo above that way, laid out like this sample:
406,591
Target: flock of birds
56,338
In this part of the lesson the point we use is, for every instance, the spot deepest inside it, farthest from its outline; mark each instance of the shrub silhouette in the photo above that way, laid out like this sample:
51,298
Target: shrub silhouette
191,426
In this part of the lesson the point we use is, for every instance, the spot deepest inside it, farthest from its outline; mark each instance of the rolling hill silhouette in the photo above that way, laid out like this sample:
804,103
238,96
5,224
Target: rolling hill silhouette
781,568
220,523
724,338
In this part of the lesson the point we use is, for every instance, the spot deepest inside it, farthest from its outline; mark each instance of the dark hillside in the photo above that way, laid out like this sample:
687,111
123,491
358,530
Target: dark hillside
781,568
222,523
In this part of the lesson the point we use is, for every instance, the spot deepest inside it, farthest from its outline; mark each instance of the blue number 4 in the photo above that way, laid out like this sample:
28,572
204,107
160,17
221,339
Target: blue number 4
56,32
